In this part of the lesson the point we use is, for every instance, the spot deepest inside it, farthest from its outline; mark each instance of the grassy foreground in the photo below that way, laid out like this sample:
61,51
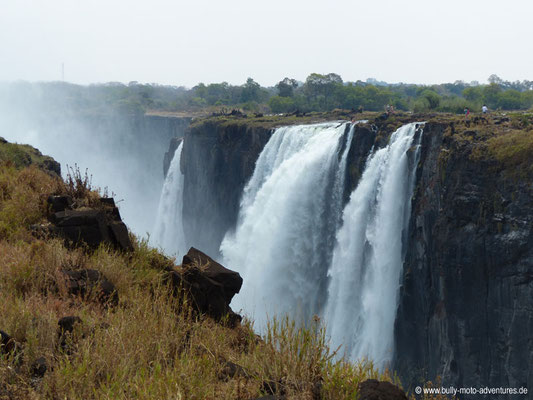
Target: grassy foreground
149,346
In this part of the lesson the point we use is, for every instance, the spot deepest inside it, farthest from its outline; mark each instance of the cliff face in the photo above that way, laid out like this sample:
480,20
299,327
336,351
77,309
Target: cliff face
465,310
216,161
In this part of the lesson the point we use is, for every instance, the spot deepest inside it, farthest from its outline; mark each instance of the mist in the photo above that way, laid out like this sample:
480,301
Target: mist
120,148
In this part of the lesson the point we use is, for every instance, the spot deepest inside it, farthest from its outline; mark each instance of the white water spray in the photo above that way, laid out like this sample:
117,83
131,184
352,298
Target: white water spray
367,260
168,231
280,245
298,251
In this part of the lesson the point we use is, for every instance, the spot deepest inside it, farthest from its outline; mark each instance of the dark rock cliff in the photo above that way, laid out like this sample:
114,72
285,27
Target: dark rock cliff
465,310
217,161
465,305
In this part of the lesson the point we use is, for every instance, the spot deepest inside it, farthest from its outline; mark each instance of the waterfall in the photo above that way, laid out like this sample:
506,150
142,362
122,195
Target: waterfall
168,231
367,261
300,250
284,235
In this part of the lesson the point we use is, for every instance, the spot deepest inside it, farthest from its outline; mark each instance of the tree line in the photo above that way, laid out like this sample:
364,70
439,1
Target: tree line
319,92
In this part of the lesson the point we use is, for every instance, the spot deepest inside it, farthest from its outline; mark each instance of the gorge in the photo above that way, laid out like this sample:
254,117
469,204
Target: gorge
408,236
412,243
121,151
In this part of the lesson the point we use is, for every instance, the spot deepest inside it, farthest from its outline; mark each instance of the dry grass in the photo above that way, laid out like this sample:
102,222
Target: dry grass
23,198
148,347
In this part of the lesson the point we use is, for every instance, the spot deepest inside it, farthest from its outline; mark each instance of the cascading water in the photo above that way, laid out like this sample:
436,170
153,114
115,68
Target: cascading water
168,231
283,241
299,252
367,260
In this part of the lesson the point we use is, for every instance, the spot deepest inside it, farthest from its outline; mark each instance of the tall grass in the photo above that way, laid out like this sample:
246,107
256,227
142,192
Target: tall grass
150,346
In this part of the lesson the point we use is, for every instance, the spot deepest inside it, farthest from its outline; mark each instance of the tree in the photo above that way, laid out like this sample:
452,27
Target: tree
495,79
286,87
491,94
433,99
250,91
473,93
200,90
321,87
510,100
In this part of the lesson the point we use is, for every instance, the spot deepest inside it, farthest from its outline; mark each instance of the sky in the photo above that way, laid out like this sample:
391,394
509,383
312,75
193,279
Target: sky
183,42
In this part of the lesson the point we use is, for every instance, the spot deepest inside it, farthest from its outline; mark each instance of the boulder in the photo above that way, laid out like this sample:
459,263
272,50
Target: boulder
66,324
89,225
39,367
59,203
120,236
65,329
372,389
89,281
7,343
208,285
230,280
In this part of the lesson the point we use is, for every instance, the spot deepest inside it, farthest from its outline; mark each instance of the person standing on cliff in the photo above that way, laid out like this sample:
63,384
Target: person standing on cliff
484,109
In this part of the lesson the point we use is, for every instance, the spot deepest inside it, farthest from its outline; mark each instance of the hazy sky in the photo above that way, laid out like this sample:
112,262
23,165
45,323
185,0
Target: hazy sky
186,42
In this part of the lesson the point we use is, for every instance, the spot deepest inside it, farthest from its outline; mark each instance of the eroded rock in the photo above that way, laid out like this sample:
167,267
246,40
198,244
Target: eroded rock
7,343
209,285
91,226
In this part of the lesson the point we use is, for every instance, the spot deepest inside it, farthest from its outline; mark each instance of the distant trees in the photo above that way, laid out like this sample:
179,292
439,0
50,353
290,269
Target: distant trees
286,87
250,91
282,104
432,98
319,92
320,88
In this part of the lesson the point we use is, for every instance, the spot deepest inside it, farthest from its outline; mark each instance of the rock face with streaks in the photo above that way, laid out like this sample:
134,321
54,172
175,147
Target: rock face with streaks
464,307
216,162
465,310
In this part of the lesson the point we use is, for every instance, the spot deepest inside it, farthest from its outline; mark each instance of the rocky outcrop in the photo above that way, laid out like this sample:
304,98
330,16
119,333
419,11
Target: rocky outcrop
465,303
207,284
23,155
464,309
91,226
7,343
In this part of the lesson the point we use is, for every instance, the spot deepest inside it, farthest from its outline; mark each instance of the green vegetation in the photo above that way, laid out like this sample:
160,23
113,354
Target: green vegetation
512,150
21,155
504,141
319,93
